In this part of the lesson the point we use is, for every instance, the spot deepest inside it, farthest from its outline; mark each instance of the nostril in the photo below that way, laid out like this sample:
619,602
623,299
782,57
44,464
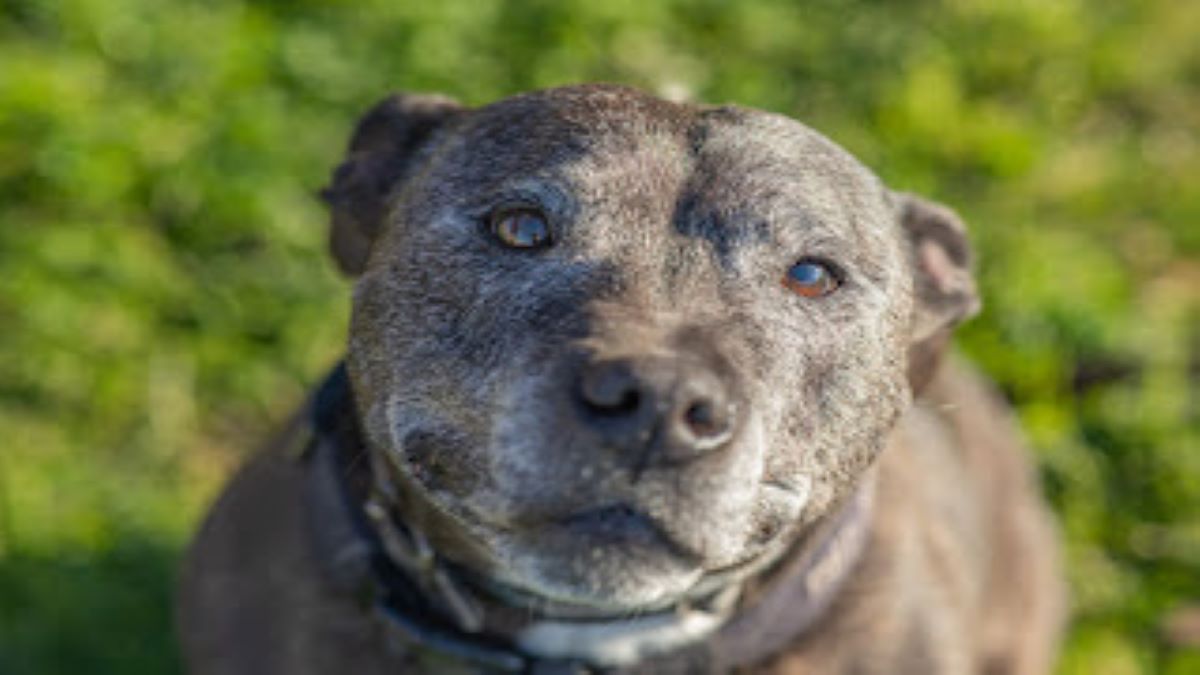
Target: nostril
706,421
701,418
610,389
623,403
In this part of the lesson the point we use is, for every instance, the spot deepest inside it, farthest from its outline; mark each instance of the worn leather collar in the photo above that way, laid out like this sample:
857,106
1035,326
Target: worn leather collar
435,615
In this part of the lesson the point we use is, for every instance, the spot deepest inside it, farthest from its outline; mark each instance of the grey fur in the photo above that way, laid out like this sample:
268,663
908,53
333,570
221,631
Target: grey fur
674,226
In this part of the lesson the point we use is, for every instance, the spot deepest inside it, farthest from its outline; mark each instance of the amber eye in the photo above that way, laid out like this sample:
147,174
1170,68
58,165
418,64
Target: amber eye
811,279
520,228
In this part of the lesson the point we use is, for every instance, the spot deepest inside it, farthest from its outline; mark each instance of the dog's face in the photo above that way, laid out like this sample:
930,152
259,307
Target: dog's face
616,346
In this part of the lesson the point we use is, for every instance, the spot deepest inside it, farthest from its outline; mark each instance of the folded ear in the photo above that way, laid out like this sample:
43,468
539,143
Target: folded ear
943,285
387,143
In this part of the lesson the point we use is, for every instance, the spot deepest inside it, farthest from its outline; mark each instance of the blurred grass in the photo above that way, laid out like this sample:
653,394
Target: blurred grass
165,297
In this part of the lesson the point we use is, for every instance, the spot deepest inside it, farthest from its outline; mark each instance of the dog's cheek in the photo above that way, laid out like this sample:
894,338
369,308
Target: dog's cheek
446,328
401,371
843,391
536,460
442,463
864,395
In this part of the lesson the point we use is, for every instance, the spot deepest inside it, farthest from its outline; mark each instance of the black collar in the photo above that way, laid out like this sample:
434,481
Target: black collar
433,615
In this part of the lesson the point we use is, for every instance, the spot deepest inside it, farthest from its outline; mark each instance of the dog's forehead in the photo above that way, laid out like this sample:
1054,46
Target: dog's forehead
771,171
736,177
547,132
734,142
594,125
588,113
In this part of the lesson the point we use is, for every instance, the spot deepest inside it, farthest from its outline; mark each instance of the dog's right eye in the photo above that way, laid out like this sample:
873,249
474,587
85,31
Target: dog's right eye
812,278
523,227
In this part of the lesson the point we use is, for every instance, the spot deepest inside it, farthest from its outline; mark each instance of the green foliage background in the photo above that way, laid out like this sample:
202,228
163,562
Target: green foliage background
165,296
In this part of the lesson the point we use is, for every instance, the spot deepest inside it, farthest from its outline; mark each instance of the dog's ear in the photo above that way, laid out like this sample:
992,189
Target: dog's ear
387,143
943,284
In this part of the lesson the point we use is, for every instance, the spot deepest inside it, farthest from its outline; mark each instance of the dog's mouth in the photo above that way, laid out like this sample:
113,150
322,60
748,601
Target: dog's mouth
617,558
622,525
585,565
573,530
591,549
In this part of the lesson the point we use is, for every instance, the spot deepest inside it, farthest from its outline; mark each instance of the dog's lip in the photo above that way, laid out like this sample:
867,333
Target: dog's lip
619,521
604,518
612,524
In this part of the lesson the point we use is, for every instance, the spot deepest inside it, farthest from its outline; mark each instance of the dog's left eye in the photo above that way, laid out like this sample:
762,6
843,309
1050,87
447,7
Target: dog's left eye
811,278
522,227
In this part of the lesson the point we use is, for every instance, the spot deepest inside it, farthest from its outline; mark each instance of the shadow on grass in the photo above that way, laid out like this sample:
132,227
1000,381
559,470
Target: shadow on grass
81,612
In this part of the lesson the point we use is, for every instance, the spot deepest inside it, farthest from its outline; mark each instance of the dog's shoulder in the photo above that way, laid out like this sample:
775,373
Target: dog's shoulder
984,553
252,594
961,558
1023,597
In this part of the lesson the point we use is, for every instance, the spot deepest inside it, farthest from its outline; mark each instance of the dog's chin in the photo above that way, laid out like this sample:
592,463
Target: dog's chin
610,560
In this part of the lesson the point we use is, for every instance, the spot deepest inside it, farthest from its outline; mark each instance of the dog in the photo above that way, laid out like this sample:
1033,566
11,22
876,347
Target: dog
632,386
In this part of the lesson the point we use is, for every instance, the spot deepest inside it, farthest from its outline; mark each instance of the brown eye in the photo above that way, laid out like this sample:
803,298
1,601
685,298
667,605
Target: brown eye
520,228
811,279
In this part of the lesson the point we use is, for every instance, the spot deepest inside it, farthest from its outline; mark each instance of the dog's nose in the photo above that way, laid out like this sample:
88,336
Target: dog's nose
670,408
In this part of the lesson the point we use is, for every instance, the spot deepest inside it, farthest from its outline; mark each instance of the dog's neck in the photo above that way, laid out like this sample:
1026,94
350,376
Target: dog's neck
432,606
